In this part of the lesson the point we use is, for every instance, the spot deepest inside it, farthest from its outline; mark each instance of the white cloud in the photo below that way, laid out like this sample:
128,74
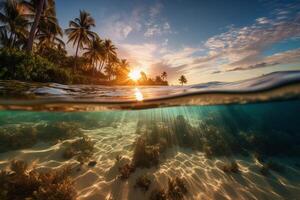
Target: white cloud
156,25
120,25
141,55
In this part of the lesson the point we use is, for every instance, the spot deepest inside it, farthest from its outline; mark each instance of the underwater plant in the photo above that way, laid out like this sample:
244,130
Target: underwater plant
21,136
82,149
158,194
144,155
176,188
230,167
17,137
214,142
58,131
126,170
20,183
143,182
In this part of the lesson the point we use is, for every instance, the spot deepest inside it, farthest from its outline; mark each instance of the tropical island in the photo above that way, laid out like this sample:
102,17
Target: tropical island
32,49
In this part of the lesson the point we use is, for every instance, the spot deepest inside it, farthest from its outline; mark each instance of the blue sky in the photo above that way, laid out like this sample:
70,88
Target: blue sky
205,40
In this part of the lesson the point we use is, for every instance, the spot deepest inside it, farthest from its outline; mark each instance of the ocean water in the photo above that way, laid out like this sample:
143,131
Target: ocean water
209,141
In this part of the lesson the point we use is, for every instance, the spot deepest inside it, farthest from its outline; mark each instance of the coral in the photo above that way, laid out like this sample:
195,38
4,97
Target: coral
17,137
215,142
24,183
126,170
21,136
143,182
230,167
58,131
145,155
158,194
82,148
177,188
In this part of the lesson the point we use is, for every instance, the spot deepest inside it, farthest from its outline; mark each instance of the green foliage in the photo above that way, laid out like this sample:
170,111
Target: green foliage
19,65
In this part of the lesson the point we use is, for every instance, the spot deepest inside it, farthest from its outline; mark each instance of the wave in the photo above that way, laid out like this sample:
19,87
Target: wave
16,95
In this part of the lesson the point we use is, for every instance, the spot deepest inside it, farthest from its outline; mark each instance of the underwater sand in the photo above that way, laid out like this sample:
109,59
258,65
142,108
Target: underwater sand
204,178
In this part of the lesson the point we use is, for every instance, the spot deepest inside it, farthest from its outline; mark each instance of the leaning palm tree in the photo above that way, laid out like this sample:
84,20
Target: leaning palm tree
13,24
43,21
182,80
80,31
38,7
164,75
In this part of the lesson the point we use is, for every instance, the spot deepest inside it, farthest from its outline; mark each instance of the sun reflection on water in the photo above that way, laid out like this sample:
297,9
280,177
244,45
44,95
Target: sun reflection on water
138,95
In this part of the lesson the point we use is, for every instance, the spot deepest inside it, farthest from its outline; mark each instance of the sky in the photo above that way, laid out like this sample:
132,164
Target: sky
215,40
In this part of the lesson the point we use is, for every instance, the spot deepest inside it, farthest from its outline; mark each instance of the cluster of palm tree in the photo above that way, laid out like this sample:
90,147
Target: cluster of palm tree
23,22
32,25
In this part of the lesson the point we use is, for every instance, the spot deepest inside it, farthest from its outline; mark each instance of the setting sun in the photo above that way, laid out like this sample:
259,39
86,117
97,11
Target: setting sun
135,74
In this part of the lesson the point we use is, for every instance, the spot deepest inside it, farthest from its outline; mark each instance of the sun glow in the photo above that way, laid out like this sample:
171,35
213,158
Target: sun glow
135,74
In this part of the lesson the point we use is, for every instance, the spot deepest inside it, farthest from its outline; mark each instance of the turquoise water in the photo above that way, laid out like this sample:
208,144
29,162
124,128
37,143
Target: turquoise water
193,142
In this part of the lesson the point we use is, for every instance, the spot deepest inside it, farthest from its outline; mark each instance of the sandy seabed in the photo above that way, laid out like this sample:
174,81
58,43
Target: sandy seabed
204,177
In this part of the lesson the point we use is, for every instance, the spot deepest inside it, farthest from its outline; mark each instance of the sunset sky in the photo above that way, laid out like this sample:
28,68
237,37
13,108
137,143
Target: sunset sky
205,40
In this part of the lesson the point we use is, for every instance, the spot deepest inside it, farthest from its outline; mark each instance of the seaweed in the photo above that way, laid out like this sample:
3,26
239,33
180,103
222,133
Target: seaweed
17,137
22,136
82,149
126,170
177,188
20,183
143,182
145,156
230,167
158,194
58,131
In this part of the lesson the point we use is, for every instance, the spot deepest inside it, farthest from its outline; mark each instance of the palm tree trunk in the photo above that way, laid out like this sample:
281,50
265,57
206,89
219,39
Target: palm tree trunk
35,25
10,40
101,66
76,55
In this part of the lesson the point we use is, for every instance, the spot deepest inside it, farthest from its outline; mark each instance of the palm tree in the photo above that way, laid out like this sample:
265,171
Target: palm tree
122,70
110,51
94,53
37,6
182,80
44,24
111,67
80,31
13,26
164,76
